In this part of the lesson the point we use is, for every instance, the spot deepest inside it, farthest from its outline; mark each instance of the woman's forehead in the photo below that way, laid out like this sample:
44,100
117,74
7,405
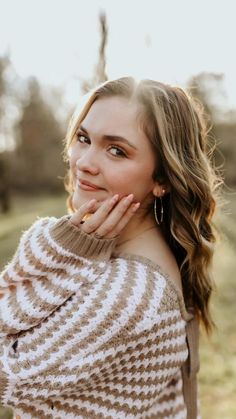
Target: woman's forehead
114,112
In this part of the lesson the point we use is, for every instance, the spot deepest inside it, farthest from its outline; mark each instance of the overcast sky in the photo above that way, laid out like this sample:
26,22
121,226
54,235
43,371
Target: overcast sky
169,40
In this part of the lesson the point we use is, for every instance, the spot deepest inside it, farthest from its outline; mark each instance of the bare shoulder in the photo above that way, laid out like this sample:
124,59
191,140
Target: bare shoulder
167,262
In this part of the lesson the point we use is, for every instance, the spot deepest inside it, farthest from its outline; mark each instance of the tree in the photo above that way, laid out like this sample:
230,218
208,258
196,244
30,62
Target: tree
4,165
207,87
100,74
39,144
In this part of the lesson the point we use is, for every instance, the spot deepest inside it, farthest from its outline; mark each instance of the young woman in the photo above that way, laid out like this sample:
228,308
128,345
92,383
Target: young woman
100,309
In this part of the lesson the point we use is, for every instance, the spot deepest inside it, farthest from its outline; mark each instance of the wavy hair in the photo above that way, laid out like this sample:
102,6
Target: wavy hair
176,127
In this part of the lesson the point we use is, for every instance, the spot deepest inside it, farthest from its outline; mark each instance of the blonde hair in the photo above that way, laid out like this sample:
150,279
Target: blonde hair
173,122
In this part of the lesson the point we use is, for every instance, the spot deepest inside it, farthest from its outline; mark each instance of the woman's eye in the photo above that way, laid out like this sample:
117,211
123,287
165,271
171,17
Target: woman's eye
114,150
82,138
118,152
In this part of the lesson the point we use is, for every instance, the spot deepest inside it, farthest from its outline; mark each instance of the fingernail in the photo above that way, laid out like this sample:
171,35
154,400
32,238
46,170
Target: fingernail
129,197
136,206
91,203
115,197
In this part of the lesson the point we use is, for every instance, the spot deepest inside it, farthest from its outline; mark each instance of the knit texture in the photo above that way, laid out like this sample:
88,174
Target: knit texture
87,333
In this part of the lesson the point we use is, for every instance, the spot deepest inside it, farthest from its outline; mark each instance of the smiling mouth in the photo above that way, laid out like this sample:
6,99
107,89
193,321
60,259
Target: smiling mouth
85,187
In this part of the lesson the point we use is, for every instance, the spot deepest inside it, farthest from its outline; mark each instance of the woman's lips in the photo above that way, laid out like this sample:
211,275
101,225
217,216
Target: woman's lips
85,187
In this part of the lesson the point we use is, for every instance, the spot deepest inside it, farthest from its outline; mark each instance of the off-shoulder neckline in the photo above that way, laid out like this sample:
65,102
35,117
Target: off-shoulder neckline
155,266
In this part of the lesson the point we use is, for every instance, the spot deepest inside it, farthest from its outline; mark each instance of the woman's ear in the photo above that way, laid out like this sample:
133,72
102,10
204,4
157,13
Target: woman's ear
160,189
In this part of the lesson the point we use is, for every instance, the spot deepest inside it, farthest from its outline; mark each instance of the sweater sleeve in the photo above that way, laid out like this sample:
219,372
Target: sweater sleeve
53,260
116,347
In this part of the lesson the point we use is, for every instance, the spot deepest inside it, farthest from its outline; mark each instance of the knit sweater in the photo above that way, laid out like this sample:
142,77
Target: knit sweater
89,333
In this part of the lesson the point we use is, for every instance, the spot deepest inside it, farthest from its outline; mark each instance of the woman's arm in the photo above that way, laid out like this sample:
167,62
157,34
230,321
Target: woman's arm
53,259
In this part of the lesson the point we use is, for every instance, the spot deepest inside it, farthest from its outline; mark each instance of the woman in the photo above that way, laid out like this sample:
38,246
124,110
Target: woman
100,308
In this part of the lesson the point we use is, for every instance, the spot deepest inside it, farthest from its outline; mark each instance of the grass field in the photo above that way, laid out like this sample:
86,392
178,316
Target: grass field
217,377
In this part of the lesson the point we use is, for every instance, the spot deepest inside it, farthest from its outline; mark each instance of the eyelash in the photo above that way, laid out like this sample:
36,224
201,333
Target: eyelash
78,135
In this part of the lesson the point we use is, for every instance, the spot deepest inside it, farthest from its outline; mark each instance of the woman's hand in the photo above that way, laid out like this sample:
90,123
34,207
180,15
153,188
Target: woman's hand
109,219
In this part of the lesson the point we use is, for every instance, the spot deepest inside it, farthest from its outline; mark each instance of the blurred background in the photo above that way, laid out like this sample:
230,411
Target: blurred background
51,52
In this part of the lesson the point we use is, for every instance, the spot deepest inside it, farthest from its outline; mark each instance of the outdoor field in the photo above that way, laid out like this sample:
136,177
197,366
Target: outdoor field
217,378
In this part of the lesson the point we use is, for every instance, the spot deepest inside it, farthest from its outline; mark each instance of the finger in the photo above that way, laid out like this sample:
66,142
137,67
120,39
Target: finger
123,221
98,218
115,216
78,216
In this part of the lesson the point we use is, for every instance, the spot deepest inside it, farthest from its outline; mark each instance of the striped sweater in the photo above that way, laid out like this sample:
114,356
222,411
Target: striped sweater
89,333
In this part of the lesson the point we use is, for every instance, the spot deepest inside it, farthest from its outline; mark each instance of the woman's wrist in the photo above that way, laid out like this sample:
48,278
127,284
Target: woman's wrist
74,239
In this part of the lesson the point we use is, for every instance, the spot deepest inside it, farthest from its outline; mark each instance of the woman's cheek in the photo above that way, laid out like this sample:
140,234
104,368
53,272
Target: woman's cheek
124,183
72,160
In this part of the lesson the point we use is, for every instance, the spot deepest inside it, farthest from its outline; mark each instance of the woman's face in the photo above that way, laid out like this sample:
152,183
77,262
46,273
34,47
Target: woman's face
111,152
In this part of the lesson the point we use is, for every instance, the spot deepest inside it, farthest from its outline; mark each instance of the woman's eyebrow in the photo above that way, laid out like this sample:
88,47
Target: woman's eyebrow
112,138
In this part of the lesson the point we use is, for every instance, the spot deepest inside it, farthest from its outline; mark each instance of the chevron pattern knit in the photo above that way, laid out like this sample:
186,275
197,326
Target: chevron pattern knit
87,333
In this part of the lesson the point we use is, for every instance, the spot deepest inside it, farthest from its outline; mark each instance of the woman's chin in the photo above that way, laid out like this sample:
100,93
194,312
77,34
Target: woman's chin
77,202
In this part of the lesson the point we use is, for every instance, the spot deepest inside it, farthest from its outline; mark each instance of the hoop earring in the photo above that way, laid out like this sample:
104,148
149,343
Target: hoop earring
155,211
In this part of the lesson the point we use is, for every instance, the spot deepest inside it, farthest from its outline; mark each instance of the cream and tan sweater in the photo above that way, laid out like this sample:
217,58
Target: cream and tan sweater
88,333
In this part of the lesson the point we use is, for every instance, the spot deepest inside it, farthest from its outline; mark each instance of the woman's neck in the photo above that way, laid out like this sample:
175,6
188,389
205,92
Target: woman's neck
135,230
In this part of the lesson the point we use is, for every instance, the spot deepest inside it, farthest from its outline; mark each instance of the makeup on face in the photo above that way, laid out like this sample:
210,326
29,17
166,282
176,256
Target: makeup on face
111,154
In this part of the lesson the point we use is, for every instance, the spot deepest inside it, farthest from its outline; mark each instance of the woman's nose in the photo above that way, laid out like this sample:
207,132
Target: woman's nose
88,162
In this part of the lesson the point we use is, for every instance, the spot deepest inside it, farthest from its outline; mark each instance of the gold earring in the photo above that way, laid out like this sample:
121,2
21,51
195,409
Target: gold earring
162,210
